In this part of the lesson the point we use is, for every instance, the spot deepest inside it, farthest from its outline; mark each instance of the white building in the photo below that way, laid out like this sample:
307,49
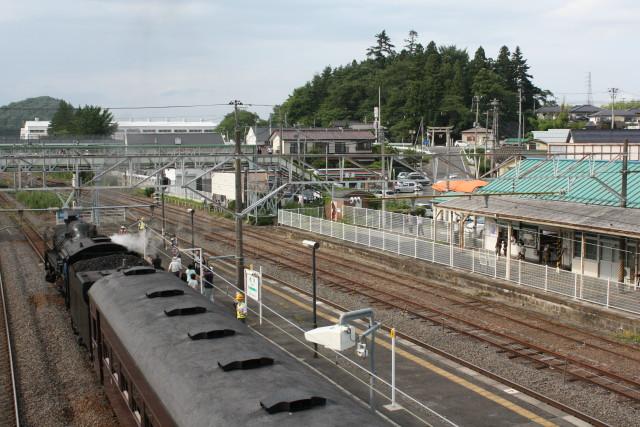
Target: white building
163,126
34,129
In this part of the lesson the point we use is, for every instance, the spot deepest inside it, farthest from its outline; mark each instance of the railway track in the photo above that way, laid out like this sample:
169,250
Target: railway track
9,409
9,402
463,315
230,268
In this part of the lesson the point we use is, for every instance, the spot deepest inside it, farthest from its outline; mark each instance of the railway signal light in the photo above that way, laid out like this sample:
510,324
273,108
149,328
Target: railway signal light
156,198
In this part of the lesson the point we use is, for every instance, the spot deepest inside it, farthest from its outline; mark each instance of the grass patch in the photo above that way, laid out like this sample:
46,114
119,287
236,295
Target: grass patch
629,336
38,199
484,294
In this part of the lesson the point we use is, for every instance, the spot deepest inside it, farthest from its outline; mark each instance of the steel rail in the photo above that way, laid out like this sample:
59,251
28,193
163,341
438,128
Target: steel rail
545,399
7,331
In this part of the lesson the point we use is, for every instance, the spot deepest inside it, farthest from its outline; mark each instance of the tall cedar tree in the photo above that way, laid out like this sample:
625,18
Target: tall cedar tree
383,47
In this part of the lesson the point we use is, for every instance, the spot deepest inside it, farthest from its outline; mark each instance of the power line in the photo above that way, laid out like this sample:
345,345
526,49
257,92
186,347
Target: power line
148,107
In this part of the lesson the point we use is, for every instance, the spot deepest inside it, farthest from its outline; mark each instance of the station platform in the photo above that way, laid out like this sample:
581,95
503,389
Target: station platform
438,392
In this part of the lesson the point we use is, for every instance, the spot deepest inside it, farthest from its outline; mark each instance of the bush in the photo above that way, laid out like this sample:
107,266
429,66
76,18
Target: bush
148,191
38,199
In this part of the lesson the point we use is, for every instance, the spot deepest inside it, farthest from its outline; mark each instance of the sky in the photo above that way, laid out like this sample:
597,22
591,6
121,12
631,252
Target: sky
138,53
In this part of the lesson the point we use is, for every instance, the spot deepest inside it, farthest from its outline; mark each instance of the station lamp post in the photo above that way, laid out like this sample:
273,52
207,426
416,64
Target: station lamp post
313,246
192,212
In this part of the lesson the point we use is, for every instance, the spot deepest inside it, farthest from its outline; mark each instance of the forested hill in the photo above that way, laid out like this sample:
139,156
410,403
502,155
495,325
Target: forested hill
13,115
436,83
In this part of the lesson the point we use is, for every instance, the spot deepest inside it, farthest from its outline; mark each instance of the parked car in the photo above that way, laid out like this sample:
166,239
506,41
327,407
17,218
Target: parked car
419,178
402,175
408,187
474,227
311,195
460,143
378,193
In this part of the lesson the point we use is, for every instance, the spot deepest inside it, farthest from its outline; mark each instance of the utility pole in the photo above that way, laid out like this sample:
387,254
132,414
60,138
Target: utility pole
382,163
519,112
238,171
494,104
623,204
476,123
613,91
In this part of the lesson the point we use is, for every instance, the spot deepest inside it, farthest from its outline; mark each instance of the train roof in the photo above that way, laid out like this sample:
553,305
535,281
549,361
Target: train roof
202,381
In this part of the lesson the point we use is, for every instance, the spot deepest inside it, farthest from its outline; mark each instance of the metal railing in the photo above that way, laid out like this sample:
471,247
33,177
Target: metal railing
607,293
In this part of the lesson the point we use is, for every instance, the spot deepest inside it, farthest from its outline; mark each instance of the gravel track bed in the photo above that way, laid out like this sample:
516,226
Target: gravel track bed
56,384
590,399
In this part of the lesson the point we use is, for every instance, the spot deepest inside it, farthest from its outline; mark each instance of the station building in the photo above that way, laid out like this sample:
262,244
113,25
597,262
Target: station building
570,219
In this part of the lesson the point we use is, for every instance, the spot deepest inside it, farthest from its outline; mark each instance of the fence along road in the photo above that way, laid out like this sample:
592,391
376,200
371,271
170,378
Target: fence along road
590,289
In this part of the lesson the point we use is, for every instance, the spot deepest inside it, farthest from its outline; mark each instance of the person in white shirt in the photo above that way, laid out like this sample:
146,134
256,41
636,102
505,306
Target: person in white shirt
193,282
175,266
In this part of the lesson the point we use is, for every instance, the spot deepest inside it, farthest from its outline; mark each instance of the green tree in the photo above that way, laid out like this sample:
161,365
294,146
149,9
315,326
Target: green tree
434,83
504,68
89,120
383,47
246,119
411,42
62,121
93,120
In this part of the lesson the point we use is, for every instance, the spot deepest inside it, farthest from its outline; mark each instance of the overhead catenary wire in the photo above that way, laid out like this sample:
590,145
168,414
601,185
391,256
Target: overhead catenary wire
145,107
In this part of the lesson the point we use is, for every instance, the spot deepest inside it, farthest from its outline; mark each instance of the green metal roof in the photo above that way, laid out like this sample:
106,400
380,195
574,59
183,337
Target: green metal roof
515,141
592,182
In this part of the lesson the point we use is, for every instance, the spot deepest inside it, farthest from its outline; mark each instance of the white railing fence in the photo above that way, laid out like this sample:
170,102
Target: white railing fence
603,292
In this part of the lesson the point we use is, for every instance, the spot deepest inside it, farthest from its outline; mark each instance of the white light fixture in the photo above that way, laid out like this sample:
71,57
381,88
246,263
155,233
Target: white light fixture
311,244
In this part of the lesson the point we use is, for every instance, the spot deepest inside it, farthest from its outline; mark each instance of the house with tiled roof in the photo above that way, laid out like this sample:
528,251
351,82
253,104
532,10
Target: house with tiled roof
322,140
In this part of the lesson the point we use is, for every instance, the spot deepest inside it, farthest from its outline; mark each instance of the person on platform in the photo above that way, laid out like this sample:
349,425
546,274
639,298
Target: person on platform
521,250
419,221
241,307
207,282
157,262
193,282
175,266
190,270
546,251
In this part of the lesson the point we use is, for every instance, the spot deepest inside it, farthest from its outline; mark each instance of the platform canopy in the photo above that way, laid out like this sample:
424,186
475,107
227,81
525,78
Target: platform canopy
581,217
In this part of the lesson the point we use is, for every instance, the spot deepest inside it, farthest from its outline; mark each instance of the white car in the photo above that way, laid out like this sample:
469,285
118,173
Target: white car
460,144
477,227
402,175
378,193
407,187
419,178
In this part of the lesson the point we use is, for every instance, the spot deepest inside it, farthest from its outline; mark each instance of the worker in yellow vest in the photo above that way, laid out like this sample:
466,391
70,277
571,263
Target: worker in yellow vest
241,307
141,225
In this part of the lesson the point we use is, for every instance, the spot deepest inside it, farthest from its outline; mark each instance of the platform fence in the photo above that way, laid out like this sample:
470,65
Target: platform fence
608,293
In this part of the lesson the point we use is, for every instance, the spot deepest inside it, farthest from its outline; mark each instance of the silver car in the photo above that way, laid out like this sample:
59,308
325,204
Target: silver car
408,187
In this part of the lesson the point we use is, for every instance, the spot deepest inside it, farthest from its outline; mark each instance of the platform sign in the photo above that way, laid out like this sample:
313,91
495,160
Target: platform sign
254,282
253,287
